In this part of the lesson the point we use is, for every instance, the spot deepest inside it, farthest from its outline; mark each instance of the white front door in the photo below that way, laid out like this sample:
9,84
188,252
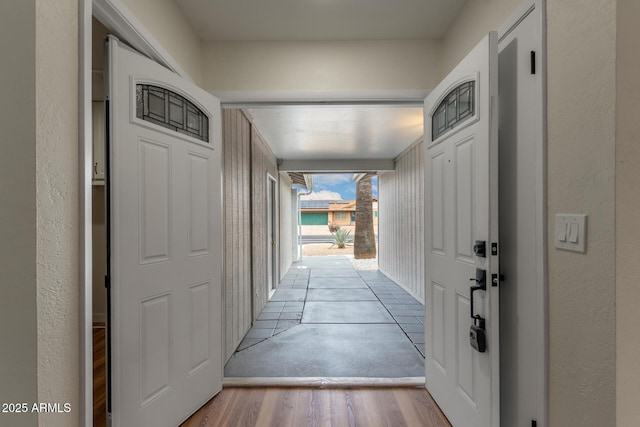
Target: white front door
462,205
165,246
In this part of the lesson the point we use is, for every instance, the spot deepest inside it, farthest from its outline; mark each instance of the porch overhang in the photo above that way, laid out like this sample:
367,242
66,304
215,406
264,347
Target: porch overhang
301,179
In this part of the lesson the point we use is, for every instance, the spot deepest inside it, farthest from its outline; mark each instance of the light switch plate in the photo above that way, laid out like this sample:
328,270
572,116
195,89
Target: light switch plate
571,232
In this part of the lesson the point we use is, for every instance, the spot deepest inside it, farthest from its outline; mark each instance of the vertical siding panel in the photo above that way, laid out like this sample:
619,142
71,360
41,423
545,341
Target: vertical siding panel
237,236
227,311
402,210
414,177
246,161
263,161
255,241
246,227
401,238
236,232
421,248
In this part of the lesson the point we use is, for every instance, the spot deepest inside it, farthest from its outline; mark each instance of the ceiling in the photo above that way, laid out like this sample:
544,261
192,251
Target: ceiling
338,132
314,132
234,20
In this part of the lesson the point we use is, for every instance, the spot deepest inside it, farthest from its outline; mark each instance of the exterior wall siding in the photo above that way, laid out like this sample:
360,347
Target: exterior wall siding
262,162
287,221
401,221
237,228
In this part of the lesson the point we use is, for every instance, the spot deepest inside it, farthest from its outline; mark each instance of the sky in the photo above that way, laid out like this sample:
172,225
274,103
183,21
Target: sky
336,186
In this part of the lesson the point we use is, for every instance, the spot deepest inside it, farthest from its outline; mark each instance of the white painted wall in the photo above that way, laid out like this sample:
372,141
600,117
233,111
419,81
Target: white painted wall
287,219
165,20
57,224
581,167
316,65
627,215
18,316
401,221
472,23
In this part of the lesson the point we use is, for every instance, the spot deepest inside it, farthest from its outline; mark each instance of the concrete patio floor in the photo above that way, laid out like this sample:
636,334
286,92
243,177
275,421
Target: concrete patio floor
327,319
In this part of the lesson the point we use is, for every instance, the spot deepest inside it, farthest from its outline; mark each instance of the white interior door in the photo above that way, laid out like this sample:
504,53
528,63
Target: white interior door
165,293
462,205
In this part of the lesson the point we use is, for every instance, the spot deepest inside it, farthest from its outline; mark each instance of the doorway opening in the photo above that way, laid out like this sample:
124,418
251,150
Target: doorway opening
331,315
541,346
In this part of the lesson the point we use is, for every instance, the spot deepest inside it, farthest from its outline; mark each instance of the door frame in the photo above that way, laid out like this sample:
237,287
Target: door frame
272,234
539,264
114,14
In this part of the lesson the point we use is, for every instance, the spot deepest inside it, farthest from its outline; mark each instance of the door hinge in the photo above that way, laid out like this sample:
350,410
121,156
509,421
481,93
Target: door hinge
533,62
494,249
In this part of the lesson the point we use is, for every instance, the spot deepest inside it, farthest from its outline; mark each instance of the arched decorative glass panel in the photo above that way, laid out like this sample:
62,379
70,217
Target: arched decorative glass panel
170,110
454,108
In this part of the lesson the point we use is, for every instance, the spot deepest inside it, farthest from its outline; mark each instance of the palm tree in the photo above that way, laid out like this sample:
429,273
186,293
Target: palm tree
364,242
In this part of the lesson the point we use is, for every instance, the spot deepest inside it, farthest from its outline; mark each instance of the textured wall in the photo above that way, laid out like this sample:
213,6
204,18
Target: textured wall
349,65
472,23
627,214
401,222
18,316
165,20
581,136
57,206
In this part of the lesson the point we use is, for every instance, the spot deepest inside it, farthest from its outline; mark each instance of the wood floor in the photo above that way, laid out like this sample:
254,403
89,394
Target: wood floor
282,406
293,406
99,376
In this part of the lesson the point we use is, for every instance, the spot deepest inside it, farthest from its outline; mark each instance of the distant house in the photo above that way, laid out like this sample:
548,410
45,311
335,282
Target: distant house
323,212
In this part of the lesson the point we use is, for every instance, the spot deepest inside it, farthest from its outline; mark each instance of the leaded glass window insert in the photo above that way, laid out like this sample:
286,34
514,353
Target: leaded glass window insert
458,105
172,111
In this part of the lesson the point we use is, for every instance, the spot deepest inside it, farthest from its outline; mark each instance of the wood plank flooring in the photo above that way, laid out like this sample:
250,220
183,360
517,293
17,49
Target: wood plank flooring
339,407
99,376
293,406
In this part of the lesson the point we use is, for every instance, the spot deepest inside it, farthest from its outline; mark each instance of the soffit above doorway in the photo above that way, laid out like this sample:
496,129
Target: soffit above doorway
287,20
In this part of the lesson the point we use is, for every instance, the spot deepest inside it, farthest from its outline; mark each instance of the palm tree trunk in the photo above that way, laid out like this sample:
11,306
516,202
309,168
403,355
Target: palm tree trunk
364,242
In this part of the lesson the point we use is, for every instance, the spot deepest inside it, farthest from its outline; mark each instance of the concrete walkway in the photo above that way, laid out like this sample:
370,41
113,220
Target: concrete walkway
328,320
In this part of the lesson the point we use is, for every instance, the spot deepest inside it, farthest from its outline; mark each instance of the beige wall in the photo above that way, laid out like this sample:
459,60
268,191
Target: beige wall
474,21
40,350
56,82
291,66
18,316
581,141
627,215
167,23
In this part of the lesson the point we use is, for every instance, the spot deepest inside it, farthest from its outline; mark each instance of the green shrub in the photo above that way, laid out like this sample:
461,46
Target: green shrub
341,237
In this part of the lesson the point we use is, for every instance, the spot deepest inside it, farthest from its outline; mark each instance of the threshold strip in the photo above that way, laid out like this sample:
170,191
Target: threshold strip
323,382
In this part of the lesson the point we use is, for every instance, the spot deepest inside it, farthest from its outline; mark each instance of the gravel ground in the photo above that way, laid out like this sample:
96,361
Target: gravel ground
319,249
